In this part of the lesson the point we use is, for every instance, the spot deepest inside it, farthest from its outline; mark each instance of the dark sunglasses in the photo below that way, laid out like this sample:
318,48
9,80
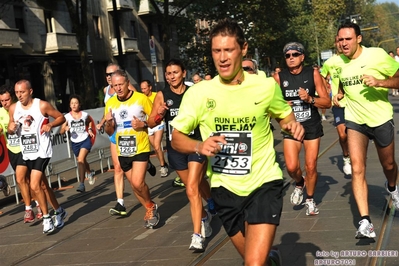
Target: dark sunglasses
246,68
293,55
109,74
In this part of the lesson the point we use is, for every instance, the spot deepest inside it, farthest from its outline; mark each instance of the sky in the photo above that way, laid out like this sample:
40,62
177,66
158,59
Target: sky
389,1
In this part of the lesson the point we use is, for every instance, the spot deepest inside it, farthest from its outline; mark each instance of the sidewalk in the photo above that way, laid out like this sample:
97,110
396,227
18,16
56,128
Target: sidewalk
92,237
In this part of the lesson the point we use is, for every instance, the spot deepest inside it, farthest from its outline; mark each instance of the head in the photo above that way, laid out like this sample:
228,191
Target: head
349,38
249,65
75,103
175,73
23,91
196,78
337,45
146,87
294,54
391,54
397,50
277,69
228,47
120,83
7,96
111,68
208,76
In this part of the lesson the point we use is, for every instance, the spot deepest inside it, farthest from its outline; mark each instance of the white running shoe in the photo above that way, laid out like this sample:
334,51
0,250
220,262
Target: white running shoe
206,229
311,207
394,196
347,166
197,242
366,230
91,178
297,195
48,225
164,170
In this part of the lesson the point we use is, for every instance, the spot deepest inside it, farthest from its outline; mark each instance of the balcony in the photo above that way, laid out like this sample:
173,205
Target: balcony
60,42
124,5
129,45
9,38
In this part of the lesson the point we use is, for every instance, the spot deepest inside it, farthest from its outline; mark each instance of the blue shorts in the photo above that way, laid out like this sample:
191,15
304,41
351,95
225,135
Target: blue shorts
76,147
179,161
339,115
113,138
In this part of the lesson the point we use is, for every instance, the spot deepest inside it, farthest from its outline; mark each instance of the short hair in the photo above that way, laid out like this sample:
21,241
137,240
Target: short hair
120,72
114,64
77,97
351,25
24,81
8,89
253,62
228,27
146,81
175,62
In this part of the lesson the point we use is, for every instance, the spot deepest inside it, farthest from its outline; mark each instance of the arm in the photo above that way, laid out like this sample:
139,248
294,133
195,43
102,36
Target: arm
158,110
391,82
109,123
64,128
49,111
323,101
12,126
339,96
291,126
90,126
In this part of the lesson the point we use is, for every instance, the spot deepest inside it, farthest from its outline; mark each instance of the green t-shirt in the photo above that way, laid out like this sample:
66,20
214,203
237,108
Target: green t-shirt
367,105
331,66
242,114
11,139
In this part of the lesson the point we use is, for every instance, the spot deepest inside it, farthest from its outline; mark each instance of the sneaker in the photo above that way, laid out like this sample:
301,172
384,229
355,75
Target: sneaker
151,217
197,242
81,188
211,207
206,229
118,210
48,225
91,178
347,166
59,218
39,214
275,257
323,118
5,187
311,207
366,230
297,195
177,182
164,170
151,168
394,196
29,216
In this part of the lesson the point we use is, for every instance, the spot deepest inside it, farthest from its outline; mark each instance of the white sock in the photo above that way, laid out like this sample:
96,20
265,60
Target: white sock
27,208
121,202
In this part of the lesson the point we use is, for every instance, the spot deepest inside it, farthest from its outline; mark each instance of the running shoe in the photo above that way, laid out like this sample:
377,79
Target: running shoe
48,225
206,229
347,166
297,195
29,216
366,230
151,217
151,168
164,170
323,118
4,186
275,257
59,218
211,207
39,214
394,196
91,178
118,210
311,207
197,242
81,188
177,182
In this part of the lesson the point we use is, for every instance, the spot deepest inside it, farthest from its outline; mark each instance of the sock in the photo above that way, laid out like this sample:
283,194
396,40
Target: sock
308,197
367,217
121,202
301,183
47,216
37,203
391,189
28,208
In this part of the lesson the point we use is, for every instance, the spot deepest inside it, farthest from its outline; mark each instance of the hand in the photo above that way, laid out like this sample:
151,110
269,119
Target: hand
303,95
337,97
162,109
295,129
67,128
109,115
369,81
99,126
137,124
212,145
91,133
12,127
46,128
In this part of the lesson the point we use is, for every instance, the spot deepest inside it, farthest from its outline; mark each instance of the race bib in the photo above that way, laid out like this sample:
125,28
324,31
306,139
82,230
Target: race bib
29,143
13,140
235,157
127,145
301,110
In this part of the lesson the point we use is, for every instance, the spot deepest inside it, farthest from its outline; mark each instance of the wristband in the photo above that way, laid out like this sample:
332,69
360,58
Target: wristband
158,119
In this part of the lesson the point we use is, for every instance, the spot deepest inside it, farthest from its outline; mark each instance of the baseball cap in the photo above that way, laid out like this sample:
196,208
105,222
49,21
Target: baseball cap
294,46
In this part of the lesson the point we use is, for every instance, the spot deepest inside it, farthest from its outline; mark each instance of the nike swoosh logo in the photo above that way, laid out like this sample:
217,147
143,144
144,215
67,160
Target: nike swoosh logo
274,215
305,81
362,66
256,103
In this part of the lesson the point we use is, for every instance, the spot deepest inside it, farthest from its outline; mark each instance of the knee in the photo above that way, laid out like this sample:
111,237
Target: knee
192,191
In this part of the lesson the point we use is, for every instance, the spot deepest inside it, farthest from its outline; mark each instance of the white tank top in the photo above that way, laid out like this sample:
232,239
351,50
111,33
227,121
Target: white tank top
33,144
107,95
77,127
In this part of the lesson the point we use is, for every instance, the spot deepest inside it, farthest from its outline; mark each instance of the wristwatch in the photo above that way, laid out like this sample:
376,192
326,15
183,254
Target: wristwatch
312,101
145,124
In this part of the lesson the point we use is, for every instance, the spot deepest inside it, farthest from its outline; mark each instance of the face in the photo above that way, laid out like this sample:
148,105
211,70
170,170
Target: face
349,43
5,100
196,79
248,66
23,93
227,56
208,77
174,75
294,58
397,51
109,71
145,88
392,55
121,86
338,46
74,104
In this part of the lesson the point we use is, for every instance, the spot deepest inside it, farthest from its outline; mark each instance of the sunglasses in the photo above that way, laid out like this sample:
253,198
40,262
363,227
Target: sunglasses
293,55
109,74
246,68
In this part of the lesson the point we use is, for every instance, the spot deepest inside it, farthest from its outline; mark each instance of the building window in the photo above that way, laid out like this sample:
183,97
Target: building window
98,32
132,29
19,19
48,21
149,28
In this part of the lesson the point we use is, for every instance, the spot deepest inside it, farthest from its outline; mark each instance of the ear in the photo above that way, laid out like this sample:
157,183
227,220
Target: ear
359,39
244,49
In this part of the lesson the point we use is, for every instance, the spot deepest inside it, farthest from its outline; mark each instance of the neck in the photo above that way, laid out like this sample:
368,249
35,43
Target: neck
127,96
237,81
296,70
179,88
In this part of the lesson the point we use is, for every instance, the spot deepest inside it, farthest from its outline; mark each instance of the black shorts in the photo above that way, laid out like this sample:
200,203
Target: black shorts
39,164
313,130
339,115
15,159
127,162
383,135
263,205
179,161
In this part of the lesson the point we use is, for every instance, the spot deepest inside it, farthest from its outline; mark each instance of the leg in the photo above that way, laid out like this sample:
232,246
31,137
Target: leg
21,173
311,152
387,160
258,242
82,164
343,139
291,156
136,177
118,173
